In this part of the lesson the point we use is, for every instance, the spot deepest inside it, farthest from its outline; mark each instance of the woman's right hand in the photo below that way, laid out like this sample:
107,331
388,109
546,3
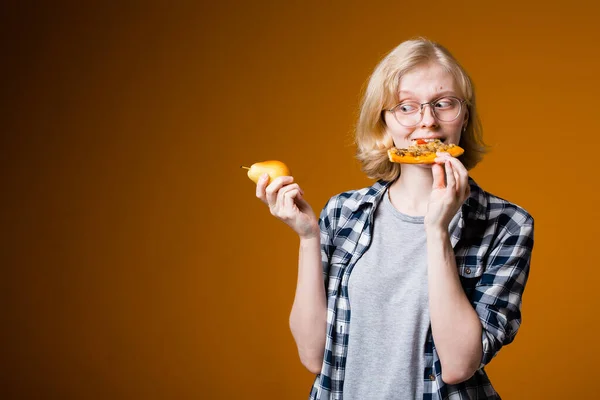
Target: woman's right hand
286,202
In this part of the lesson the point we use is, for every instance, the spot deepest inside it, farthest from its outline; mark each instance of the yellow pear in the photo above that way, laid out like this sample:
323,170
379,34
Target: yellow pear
272,167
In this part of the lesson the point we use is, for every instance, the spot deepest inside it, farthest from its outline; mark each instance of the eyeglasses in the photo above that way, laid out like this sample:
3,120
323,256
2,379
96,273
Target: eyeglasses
410,113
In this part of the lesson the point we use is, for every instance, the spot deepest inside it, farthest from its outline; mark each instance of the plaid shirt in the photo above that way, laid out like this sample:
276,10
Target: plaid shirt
492,241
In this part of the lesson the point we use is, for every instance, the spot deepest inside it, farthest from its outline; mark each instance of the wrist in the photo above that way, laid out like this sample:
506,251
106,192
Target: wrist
436,231
310,235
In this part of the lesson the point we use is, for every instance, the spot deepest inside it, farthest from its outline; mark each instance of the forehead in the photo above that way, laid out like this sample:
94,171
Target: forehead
426,81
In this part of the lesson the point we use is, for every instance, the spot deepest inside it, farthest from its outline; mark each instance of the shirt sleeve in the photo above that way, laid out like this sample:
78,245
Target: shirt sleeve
497,296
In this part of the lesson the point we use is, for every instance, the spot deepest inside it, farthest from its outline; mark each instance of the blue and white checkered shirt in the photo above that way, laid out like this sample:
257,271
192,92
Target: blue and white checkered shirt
492,241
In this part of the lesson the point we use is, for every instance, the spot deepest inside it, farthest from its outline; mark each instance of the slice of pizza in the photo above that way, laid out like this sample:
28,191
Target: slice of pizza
422,151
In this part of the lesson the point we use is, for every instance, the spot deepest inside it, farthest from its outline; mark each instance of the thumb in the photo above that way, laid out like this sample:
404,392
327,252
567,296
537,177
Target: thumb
438,176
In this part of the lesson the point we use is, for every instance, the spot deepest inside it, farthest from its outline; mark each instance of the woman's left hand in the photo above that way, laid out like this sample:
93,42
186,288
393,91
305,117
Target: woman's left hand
449,192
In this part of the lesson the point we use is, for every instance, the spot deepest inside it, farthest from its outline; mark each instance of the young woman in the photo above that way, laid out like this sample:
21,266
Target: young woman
423,271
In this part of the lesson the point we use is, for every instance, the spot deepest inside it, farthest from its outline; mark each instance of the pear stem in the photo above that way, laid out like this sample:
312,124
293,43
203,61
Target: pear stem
241,166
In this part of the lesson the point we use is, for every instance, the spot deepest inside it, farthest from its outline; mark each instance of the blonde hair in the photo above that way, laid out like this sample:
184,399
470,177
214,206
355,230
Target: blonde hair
381,93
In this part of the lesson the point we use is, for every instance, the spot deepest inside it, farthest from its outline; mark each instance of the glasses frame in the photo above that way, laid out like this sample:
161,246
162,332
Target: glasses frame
422,109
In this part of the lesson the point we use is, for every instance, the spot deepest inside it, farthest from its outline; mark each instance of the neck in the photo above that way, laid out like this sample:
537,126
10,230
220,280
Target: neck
410,192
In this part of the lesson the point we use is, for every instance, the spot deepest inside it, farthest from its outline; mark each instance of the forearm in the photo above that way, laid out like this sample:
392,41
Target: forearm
456,328
308,318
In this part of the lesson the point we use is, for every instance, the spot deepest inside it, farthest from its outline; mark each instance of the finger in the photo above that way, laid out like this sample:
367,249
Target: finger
441,160
438,176
462,176
446,160
458,166
261,185
292,186
289,205
450,180
442,153
274,187
457,181
284,190
299,201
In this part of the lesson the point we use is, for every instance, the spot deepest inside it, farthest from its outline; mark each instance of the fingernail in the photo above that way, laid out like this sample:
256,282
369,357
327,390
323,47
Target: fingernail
264,176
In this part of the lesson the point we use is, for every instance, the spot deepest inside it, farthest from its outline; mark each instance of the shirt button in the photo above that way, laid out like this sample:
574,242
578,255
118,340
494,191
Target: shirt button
468,270
432,377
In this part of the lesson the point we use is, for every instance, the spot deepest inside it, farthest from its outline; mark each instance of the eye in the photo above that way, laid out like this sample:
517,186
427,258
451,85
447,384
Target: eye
445,103
409,107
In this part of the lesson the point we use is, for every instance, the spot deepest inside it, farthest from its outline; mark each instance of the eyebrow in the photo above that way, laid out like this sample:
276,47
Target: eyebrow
437,95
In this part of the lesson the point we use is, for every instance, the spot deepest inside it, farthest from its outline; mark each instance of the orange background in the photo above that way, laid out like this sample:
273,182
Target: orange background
136,261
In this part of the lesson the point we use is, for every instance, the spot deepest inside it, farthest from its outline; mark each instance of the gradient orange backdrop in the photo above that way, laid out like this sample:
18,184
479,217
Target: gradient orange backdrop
136,261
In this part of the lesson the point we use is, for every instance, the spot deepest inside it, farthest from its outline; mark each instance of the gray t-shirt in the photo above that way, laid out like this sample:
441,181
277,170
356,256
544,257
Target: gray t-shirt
389,311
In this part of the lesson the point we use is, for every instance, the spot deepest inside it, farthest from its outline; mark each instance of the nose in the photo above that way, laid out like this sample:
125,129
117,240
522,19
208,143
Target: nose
427,117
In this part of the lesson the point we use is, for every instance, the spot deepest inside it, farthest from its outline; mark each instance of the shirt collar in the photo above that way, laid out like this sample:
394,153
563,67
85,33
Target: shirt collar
475,205
372,195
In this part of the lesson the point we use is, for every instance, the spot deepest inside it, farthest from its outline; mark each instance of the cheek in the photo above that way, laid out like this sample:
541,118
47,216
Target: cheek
455,133
400,136
389,119
454,128
394,129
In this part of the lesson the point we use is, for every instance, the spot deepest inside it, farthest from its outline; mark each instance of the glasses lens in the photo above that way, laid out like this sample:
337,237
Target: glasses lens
408,113
447,109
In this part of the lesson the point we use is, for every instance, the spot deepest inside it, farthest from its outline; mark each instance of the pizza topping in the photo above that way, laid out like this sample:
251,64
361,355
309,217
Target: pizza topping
421,147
